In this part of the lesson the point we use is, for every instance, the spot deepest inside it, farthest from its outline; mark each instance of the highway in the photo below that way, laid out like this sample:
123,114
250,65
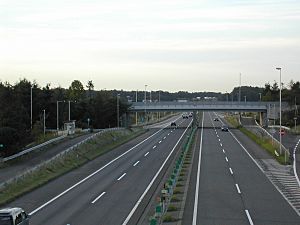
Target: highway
111,189
227,186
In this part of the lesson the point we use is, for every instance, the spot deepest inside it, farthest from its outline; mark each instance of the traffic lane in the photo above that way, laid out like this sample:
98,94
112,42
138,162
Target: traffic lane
122,195
265,204
66,207
34,199
219,201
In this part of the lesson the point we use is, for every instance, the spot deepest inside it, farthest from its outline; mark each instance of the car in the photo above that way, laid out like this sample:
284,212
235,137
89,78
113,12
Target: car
13,216
185,116
173,124
224,128
216,119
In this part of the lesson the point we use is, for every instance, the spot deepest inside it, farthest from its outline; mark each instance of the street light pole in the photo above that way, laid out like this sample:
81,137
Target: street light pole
145,102
280,86
44,122
70,109
136,114
31,107
118,110
240,91
259,97
57,115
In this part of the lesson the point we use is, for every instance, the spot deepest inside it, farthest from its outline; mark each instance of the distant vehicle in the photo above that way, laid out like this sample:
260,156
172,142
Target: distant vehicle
185,116
191,115
173,124
216,119
224,128
13,216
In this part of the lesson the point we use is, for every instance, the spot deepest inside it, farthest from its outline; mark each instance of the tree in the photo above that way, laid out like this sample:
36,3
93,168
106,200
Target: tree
76,91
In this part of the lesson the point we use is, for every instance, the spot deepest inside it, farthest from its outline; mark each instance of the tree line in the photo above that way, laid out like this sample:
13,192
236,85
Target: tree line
87,106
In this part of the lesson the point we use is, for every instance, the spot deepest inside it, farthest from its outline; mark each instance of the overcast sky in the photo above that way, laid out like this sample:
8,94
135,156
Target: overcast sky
193,45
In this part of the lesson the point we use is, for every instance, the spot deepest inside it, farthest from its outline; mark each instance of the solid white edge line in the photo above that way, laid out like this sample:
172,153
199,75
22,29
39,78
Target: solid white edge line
120,178
96,199
249,217
92,174
146,153
238,188
294,163
153,179
198,177
261,169
136,163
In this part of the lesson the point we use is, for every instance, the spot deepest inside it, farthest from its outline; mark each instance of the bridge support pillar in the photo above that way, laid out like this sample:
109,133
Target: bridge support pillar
263,119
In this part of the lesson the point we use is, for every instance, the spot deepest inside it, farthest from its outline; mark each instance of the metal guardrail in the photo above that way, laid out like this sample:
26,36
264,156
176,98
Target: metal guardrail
33,148
24,173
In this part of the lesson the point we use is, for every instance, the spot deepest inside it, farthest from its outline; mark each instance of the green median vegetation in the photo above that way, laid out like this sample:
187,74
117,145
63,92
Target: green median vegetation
84,153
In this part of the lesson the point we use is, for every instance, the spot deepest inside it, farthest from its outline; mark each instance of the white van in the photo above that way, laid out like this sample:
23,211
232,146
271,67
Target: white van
13,216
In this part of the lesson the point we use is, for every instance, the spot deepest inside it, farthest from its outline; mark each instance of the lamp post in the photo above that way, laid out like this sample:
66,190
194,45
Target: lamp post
44,121
31,107
240,89
259,97
279,68
57,115
70,109
145,101
118,110
136,114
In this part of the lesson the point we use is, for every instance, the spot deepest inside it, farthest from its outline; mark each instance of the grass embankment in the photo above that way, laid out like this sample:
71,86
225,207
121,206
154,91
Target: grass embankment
84,153
264,142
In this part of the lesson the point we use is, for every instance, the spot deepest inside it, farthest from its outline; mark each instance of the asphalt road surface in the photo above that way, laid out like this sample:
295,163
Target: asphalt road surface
227,187
110,189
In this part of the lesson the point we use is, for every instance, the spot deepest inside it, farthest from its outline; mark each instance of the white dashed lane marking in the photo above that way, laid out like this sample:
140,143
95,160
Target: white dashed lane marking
96,199
121,177
146,154
136,163
238,188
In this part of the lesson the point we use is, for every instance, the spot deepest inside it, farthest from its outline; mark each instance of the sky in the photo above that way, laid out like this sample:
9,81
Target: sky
172,45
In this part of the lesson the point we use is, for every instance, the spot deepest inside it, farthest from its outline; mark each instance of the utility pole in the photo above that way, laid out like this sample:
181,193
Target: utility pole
44,122
240,91
280,86
136,114
118,111
31,107
145,101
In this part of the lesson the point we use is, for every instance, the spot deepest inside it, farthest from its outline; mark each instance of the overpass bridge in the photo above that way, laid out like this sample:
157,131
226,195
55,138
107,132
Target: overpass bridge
267,110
